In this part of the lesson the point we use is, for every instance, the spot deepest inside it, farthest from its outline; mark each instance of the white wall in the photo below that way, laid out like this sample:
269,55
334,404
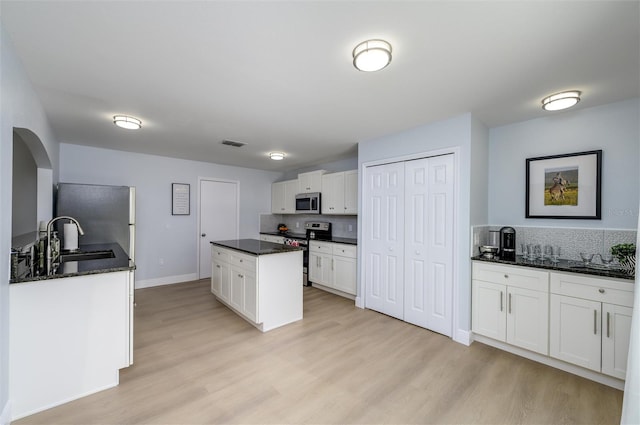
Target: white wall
19,108
612,128
24,205
159,234
458,132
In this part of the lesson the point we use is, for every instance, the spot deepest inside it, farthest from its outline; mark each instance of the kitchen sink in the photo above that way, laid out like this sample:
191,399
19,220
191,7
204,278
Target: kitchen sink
86,255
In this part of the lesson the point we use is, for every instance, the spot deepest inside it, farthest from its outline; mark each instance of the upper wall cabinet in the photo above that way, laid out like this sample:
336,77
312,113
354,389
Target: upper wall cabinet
310,182
283,197
340,193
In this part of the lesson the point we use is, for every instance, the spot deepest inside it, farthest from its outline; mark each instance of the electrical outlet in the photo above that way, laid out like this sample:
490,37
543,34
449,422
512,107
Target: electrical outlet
297,224
351,227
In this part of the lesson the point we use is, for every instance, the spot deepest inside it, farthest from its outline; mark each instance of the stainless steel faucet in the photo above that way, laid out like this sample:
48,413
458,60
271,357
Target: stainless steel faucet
49,224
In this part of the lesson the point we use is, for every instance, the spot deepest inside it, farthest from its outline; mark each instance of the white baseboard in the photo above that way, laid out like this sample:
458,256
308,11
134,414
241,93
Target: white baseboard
5,416
462,337
167,280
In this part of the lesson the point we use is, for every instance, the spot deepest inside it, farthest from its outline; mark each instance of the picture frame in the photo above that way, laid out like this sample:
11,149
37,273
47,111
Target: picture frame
564,186
180,198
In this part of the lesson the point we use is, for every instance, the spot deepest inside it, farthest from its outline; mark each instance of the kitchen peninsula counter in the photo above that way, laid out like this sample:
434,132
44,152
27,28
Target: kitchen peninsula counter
119,262
258,280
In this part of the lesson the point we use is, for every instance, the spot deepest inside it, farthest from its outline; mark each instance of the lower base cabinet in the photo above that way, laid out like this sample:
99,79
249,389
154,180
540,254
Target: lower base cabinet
591,322
578,319
511,304
255,287
333,265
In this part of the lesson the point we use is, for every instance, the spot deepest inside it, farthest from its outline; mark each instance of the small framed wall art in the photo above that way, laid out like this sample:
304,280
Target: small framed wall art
564,186
180,198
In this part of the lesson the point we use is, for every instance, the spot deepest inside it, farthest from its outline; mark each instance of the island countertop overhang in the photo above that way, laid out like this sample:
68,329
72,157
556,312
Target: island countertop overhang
255,246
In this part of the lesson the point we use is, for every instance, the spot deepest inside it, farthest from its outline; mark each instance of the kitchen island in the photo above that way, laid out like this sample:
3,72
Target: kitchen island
260,281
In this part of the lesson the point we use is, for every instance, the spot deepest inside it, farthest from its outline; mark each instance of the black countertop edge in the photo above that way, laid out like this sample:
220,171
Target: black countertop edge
120,262
568,266
256,246
347,241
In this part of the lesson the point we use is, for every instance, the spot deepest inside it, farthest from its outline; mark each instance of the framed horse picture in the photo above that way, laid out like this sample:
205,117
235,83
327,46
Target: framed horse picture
564,186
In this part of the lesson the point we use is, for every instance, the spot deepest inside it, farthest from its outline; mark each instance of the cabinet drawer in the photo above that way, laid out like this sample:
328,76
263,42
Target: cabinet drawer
595,289
345,250
247,262
520,277
321,247
220,254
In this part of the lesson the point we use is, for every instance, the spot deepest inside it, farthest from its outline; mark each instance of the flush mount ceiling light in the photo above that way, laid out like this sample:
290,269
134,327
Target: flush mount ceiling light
127,122
372,55
276,156
559,101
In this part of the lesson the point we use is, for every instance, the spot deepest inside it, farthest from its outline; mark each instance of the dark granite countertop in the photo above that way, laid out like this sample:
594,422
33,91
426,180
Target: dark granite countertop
563,266
120,262
349,241
255,246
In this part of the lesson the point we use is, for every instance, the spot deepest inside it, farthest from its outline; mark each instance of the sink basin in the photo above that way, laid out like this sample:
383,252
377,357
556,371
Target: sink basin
84,256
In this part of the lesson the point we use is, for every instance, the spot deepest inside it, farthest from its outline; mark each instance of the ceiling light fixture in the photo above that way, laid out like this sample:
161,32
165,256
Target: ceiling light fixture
124,121
372,55
276,156
559,101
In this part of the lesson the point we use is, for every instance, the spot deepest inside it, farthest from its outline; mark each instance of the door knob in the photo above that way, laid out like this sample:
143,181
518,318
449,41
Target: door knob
203,235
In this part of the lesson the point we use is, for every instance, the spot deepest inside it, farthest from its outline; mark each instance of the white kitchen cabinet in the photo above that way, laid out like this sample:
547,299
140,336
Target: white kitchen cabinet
220,274
340,193
310,182
320,263
590,322
255,288
344,268
511,304
333,266
283,197
351,192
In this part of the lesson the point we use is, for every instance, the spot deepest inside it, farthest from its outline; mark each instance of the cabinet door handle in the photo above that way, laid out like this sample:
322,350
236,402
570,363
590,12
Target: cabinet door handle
608,324
332,264
506,276
218,265
509,303
240,276
595,322
501,301
601,290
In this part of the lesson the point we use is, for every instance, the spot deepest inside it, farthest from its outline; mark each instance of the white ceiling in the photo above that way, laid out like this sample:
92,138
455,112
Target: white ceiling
278,75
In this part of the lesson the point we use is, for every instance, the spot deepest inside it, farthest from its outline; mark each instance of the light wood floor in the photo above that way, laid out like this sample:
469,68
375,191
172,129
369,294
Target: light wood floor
196,362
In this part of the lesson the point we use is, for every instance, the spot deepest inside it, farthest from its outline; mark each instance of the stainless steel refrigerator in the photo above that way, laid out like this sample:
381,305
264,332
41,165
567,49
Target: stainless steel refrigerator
107,214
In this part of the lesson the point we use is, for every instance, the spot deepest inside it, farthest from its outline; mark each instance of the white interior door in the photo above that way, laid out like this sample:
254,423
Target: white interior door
428,259
383,234
219,212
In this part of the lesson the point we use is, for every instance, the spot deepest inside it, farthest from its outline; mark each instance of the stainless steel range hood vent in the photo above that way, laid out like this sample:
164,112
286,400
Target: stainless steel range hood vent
232,143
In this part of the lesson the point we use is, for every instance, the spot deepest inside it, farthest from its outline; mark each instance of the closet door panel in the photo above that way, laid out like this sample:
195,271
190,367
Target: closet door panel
383,233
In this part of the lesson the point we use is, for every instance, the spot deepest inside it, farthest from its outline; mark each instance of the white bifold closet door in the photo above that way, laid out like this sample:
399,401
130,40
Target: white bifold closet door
408,234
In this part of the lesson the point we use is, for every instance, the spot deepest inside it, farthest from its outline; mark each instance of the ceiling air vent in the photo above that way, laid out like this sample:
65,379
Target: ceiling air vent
232,143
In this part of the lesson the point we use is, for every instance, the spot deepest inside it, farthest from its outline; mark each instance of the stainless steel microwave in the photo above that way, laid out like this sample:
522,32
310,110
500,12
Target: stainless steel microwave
308,203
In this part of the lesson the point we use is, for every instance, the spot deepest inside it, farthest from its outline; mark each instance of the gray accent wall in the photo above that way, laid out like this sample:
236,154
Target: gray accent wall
612,128
160,236
469,137
19,108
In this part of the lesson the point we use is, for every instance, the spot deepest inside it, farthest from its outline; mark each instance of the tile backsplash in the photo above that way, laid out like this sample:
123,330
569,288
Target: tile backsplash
341,226
571,241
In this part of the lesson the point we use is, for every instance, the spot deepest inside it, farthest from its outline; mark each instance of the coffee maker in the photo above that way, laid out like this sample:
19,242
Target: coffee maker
508,243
